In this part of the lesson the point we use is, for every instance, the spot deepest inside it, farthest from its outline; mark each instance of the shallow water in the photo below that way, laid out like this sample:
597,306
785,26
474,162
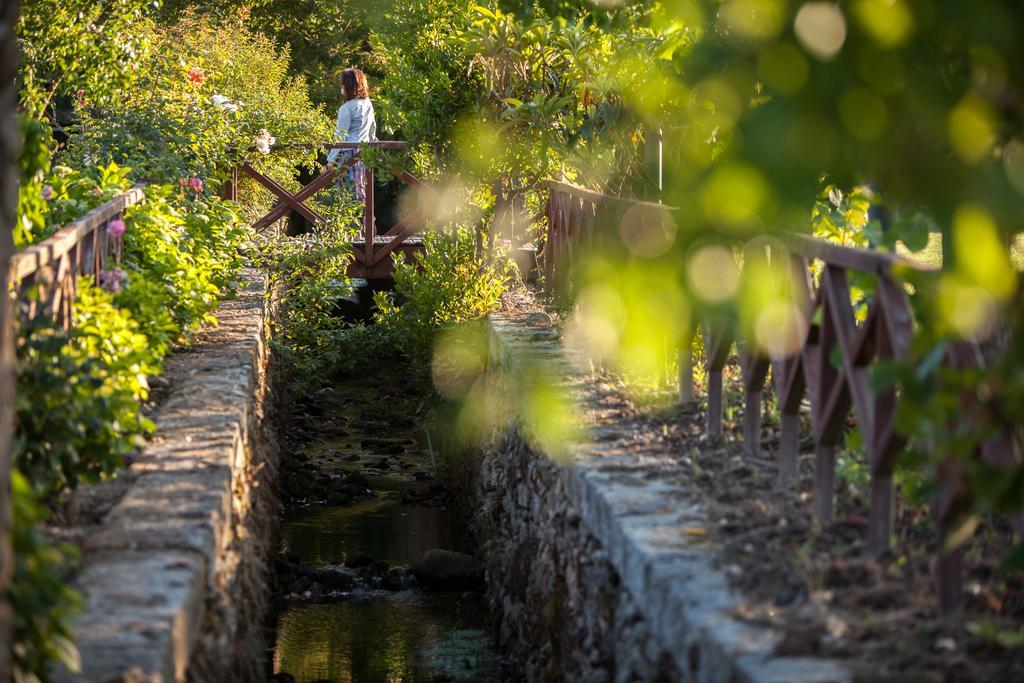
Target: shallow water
407,636
384,529
366,634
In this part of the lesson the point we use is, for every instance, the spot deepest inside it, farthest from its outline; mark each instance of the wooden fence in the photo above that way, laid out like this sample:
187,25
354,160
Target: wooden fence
85,248
372,248
817,275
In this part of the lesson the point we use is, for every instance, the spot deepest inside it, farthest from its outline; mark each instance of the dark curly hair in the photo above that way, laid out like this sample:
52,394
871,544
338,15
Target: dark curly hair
354,85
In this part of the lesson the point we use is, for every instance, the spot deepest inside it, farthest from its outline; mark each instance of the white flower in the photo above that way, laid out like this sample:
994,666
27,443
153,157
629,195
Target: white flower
263,141
224,104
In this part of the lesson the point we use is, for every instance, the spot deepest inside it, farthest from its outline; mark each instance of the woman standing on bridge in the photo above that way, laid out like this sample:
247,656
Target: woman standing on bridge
356,123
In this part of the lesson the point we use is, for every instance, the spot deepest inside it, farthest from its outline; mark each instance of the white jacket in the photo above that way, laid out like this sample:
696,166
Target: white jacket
356,123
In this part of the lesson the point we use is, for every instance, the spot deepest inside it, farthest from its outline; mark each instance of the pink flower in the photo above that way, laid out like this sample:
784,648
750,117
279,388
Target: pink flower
112,280
196,75
116,228
47,192
196,184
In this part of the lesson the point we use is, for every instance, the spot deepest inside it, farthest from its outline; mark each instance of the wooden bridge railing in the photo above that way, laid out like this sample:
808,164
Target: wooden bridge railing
84,248
374,248
816,277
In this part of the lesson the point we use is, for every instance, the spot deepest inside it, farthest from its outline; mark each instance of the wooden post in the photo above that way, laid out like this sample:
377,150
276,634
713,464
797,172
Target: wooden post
685,362
880,521
369,222
714,417
824,482
230,188
789,448
549,244
10,144
752,423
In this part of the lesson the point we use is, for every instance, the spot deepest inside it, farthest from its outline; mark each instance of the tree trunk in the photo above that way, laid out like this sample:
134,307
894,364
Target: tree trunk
10,142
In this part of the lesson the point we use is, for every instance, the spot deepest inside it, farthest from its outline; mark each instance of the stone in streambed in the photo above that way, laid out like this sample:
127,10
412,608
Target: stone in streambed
300,585
339,499
338,486
335,578
356,479
447,570
360,560
296,486
396,579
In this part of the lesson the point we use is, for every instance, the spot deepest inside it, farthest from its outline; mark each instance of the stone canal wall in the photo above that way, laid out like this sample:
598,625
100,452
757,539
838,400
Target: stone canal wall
174,576
590,571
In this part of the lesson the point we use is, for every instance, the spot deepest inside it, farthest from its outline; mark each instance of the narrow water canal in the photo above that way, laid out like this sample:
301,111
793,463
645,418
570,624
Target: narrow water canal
375,581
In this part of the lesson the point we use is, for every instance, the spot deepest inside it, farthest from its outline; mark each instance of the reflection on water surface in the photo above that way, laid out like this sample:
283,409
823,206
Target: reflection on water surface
404,637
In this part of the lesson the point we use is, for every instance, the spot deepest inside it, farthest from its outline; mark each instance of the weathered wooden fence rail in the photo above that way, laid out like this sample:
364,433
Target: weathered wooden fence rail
84,248
815,278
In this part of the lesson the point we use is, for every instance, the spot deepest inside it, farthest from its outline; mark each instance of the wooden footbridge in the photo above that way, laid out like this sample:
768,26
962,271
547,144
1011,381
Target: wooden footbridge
372,248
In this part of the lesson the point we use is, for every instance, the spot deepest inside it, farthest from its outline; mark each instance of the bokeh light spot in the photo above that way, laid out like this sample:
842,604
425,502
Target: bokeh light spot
754,20
780,328
647,231
972,129
966,309
735,197
982,258
713,273
460,357
821,29
888,22
1013,163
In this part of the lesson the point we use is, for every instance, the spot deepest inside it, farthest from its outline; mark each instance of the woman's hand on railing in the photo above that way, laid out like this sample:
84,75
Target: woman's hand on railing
329,167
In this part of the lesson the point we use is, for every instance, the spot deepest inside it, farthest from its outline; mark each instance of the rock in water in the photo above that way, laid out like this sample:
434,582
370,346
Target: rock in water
447,570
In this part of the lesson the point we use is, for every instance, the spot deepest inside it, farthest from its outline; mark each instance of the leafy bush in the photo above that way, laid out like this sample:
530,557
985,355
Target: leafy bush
78,394
189,245
196,105
310,273
58,197
42,601
74,47
447,284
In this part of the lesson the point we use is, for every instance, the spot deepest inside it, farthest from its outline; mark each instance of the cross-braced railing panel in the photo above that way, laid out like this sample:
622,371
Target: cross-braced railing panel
373,250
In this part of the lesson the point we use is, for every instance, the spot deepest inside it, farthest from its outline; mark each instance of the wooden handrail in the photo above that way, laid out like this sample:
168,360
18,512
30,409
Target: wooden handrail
35,257
377,144
851,258
81,248
600,198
